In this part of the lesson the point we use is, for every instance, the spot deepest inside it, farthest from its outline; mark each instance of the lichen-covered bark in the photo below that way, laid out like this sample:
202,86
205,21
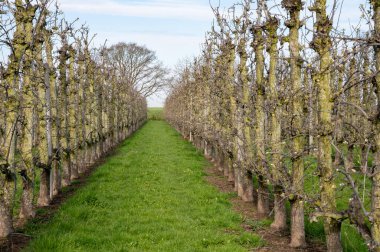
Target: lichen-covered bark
262,193
28,101
298,139
375,204
73,117
64,113
322,44
275,141
244,154
8,158
91,104
83,84
230,47
99,115
46,147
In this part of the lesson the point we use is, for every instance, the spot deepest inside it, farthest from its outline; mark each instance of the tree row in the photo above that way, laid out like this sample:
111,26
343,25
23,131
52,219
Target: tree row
64,105
288,105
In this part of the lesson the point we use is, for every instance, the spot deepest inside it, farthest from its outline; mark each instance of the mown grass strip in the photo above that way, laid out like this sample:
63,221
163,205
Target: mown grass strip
150,196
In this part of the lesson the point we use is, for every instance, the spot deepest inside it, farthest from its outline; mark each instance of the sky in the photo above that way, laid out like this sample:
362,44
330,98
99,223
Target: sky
174,29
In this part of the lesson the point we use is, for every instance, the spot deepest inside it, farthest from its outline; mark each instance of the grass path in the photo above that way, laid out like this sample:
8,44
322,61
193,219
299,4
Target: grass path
150,196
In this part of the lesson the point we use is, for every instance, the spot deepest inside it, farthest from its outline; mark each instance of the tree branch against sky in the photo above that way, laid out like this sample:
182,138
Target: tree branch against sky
138,67
173,29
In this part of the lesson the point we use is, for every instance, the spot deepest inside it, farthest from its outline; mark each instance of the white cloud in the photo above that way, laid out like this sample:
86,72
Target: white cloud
149,9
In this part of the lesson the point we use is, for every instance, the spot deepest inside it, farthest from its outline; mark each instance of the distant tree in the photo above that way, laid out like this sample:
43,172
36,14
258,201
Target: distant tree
138,67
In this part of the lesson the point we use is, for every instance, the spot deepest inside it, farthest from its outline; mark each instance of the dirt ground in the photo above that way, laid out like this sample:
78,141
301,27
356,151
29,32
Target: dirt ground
275,241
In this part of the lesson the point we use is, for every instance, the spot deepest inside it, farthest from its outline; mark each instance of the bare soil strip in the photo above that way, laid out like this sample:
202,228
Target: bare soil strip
275,241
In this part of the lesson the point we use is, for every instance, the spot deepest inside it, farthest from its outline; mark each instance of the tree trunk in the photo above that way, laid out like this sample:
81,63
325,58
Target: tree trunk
298,142
262,197
26,207
64,113
279,223
297,224
244,132
277,173
9,161
46,148
44,194
322,45
73,107
7,192
56,174
375,204
27,145
231,172
263,192
83,111
29,101
247,194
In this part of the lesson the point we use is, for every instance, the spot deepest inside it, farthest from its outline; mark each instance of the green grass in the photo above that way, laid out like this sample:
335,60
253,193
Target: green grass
150,196
156,114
